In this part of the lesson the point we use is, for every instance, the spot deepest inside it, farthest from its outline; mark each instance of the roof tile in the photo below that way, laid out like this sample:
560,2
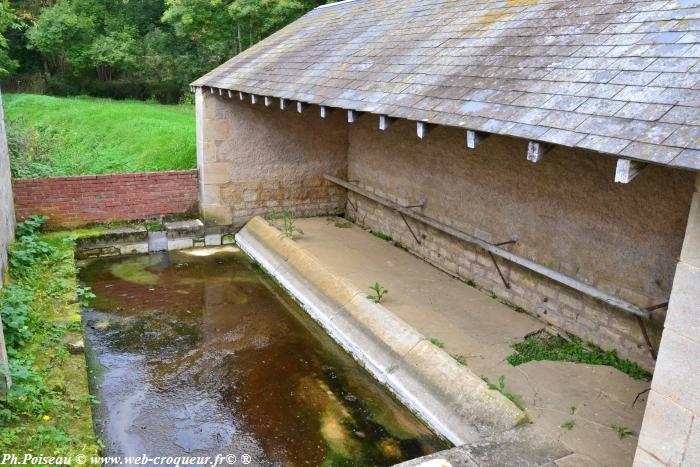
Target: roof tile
611,76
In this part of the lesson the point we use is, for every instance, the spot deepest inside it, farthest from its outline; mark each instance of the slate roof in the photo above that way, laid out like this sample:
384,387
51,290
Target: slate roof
615,76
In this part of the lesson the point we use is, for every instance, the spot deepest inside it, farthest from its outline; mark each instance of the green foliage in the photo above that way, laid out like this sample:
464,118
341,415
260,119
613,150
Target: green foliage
50,136
165,44
381,235
85,294
284,220
44,411
437,342
154,226
459,359
501,387
622,432
568,424
379,292
542,346
8,20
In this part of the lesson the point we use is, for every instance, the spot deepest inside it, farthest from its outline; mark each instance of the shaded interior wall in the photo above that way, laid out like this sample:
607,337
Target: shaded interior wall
7,210
565,211
254,159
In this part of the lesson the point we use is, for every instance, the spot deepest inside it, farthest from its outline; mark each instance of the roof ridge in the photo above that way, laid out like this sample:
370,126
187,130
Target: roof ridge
334,4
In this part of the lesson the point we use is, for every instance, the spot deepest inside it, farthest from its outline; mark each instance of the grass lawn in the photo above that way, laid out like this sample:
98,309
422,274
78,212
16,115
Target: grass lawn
57,136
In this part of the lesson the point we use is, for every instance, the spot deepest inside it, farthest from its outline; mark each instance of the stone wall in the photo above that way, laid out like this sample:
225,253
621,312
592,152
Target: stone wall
254,159
7,212
565,211
71,201
670,433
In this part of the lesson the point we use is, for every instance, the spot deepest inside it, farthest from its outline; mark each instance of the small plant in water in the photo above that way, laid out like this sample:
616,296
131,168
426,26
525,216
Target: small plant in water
84,294
572,409
501,387
436,342
379,292
622,431
568,424
287,226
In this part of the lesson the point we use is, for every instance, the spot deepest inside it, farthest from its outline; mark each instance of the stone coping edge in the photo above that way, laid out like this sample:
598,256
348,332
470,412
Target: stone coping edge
451,399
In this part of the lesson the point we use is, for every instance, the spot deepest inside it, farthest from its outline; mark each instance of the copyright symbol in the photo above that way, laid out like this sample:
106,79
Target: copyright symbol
245,458
81,458
231,459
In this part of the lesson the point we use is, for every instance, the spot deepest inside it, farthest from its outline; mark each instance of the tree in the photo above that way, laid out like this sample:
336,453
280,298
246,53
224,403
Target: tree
7,21
61,35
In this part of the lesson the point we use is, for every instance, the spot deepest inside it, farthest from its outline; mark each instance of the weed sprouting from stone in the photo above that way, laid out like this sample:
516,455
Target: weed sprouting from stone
568,424
379,292
382,235
286,216
501,387
542,346
436,342
459,359
622,431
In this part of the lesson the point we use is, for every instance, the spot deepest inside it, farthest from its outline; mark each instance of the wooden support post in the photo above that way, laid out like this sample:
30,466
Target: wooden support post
325,111
300,107
211,90
475,138
268,101
230,94
221,92
253,99
535,150
353,115
627,169
385,122
422,129
283,103
241,95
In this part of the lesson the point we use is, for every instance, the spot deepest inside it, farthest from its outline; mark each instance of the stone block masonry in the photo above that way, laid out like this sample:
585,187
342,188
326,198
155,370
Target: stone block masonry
73,201
565,212
7,229
7,211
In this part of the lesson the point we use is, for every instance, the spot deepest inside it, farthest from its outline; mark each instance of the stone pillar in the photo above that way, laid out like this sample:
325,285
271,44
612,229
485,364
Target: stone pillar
213,174
7,231
670,432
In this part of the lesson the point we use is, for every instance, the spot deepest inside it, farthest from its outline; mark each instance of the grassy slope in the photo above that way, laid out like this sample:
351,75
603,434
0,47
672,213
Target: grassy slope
93,136
51,406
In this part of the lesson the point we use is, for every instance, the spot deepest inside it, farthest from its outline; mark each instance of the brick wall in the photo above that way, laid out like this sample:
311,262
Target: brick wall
71,201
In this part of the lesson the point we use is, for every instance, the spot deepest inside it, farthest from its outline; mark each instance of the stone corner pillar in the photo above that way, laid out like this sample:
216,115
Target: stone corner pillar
212,174
670,433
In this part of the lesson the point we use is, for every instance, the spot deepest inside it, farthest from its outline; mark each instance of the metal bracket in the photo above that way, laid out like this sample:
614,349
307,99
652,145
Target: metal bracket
643,327
405,221
415,237
495,263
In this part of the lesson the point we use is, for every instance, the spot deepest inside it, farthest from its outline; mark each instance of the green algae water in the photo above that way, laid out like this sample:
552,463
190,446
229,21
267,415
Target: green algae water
199,353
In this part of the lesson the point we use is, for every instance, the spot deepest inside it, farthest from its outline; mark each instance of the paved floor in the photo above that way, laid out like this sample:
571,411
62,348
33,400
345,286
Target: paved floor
481,329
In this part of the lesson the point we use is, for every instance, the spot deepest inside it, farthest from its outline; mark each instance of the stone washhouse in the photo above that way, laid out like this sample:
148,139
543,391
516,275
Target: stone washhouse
546,151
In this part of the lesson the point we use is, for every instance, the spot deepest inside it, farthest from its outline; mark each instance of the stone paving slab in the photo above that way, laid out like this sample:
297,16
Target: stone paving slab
481,329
